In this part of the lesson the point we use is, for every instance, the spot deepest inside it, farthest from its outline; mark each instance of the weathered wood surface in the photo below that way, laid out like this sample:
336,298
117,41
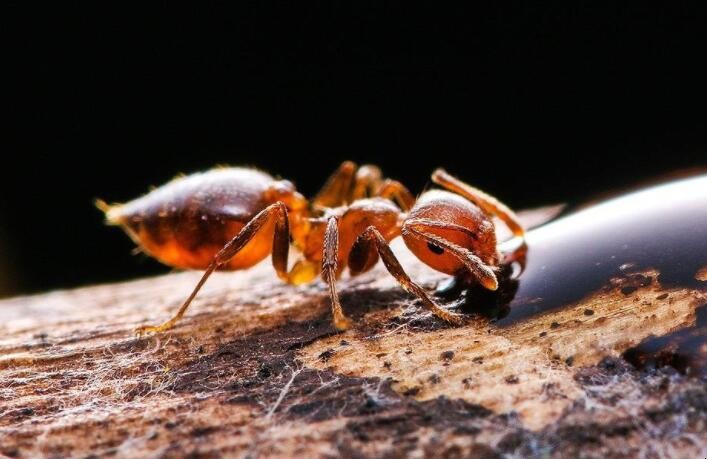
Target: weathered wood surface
255,369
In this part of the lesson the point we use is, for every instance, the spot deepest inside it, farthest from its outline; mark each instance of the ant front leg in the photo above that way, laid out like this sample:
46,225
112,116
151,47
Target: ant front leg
486,202
277,212
330,261
372,240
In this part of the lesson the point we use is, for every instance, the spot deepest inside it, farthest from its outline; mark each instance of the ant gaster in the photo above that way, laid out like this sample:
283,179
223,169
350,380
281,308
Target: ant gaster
232,218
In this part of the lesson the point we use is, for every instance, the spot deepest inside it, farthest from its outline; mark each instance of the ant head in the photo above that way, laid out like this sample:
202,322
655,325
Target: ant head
441,220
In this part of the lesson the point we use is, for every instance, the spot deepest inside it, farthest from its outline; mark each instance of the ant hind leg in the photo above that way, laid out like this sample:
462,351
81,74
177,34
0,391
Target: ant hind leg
337,189
397,192
367,182
276,211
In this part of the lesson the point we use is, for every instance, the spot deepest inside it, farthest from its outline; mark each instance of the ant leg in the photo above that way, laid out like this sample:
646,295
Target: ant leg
372,238
303,270
231,249
515,254
488,203
329,264
480,270
396,191
335,191
368,180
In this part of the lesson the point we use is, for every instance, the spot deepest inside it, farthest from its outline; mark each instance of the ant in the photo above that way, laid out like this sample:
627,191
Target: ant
231,218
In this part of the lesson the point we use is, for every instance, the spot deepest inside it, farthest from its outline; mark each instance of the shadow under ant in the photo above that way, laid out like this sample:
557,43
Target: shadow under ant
460,293
468,297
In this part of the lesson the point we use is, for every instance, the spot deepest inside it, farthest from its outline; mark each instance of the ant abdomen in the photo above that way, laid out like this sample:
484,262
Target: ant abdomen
187,221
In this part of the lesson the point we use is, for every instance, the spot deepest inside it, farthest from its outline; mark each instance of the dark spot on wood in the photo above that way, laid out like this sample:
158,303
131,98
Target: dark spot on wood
513,441
387,364
381,354
446,356
326,355
588,312
264,372
434,379
642,280
629,289
681,349
543,333
551,391
402,426
412,391
701,316
569,360
343,342
478,359
512,379
554,325
203,431
661,296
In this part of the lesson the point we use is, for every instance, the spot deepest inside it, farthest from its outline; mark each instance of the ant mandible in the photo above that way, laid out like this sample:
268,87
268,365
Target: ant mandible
232,218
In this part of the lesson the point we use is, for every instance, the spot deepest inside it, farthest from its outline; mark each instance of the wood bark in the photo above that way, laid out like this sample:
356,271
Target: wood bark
255,369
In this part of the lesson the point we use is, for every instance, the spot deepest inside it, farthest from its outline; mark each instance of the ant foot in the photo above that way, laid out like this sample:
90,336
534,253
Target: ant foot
342,323
451,317
145,329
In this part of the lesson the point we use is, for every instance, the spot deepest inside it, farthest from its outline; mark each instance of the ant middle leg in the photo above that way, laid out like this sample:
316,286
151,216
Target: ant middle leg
280,248
372,240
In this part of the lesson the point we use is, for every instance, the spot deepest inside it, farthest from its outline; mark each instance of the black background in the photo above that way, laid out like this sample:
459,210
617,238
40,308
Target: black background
535,104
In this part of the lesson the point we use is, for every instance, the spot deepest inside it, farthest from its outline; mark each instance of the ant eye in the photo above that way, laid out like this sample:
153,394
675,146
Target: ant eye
435,248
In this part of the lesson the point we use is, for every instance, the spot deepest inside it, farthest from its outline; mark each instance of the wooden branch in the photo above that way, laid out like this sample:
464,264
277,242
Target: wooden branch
255,369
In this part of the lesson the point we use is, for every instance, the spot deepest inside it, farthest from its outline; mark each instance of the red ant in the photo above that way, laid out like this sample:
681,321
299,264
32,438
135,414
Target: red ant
232,218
